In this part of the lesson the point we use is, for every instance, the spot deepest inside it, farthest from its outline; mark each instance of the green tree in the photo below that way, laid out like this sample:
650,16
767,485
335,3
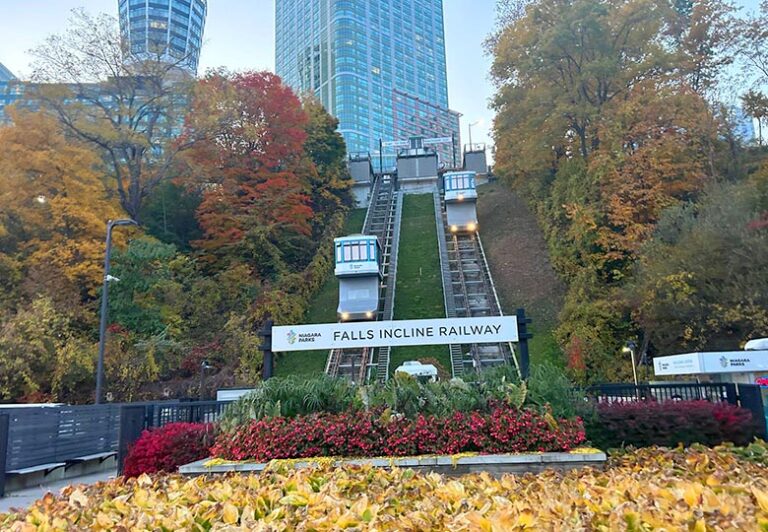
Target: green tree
703,278
169,215
325,148
149,297
756,106
41,356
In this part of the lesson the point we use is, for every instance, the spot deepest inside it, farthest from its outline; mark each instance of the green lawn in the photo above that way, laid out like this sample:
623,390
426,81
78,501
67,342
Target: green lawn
322,310
419,283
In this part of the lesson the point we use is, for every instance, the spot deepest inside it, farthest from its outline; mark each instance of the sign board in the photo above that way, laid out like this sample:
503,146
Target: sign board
396,144
712,363
326,336
437,140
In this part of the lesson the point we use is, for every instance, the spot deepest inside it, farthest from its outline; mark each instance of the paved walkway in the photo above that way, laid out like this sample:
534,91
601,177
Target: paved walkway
25,497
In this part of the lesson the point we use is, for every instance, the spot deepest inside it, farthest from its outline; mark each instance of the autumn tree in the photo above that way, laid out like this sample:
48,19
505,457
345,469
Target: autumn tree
53,202
256,206
663,137
561,63
127,110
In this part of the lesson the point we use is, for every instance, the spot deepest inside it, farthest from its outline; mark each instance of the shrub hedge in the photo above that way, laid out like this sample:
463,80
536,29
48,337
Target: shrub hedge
369,434
669,423
168,447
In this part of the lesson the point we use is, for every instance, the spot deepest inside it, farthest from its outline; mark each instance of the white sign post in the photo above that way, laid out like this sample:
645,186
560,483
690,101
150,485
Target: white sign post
326,336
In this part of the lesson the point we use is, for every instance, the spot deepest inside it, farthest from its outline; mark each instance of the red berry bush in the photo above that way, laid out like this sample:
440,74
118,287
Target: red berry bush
669,423
166,448
367,434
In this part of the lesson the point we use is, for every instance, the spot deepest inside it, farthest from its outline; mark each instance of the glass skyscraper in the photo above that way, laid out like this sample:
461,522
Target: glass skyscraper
5,74
170,29
377,65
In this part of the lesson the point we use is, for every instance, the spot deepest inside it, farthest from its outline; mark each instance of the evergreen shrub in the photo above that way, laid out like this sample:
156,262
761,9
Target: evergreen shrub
669,423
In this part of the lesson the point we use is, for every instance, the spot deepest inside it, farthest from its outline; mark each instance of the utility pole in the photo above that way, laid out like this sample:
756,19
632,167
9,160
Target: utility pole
111,224
381,156
453,147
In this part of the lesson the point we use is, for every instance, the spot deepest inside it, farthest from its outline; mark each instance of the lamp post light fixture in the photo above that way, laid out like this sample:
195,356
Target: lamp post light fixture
204,366
111,224
470,131
630,349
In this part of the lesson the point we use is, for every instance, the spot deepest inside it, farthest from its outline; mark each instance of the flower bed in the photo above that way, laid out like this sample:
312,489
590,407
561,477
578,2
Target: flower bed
650,489
367,434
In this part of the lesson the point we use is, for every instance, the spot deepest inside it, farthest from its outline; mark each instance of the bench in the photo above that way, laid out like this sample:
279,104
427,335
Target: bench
45,468
89,457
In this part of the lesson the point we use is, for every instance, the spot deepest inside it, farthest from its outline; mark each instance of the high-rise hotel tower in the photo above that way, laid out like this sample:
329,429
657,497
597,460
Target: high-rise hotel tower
377,65
168,29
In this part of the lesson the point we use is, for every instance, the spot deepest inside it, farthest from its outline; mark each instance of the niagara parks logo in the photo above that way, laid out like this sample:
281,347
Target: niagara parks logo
292,336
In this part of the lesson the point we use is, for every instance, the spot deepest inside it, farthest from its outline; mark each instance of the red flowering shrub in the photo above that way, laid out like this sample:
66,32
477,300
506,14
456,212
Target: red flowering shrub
365,434
669,423
166,448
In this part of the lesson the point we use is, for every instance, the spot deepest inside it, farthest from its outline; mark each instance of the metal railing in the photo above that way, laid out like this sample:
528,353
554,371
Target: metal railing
716,392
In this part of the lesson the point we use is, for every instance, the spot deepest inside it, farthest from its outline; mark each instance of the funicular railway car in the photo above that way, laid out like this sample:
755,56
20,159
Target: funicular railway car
461,201
358,268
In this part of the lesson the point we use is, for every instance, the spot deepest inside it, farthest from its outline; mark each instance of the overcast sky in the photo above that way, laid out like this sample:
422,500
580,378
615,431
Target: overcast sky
240,35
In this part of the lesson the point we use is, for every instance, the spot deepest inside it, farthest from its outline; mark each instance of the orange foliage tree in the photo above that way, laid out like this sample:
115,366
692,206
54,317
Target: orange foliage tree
53,201
256,204
657,155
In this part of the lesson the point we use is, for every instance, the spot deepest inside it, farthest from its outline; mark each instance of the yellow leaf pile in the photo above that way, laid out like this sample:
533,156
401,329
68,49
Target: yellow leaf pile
651,489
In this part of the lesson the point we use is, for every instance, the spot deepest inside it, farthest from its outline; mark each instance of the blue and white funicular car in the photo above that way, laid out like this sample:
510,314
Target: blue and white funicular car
358,268
461,201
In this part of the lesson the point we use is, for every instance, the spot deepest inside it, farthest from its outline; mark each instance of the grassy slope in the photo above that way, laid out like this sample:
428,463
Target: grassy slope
419,284
519,261
321,310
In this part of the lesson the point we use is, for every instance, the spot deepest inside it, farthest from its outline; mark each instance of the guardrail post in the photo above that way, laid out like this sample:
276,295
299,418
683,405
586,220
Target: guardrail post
266,348
730,393
4,433
524,335
132,423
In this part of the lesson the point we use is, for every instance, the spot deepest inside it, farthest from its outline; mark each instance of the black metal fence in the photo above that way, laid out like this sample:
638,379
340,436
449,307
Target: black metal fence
45,438
751,398
48,435
717,392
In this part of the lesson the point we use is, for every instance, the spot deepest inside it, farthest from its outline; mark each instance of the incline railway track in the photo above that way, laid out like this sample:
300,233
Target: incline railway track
469,292
382,220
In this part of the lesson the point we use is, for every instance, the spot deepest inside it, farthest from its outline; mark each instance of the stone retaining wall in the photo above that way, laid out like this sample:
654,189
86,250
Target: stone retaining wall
496,464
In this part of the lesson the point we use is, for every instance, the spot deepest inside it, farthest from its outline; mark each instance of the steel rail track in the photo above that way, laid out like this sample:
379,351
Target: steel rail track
469,292
382,220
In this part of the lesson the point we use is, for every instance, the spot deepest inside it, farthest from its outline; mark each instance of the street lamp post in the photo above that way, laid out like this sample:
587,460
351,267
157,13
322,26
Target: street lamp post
203,367
630,348
470,133
104,308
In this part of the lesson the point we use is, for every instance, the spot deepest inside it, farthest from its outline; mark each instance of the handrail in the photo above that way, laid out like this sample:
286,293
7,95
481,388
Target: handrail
496,298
